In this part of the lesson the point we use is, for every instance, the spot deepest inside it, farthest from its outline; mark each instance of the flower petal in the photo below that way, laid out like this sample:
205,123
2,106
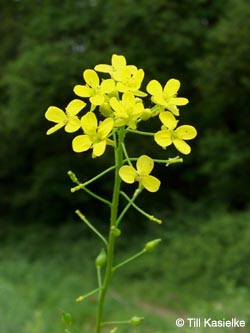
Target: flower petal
99,148
56,115
150,183
54,128
74,107
182,146
127,174
178,101
168,119
89,123
105,127
144,165
73,125
103,68
163,138
154,88
81,143
186,132
171,88
118,61
107,86
91,78
82,91
97,99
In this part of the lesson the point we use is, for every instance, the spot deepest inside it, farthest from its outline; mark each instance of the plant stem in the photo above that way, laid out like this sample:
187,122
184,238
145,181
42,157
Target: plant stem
113,218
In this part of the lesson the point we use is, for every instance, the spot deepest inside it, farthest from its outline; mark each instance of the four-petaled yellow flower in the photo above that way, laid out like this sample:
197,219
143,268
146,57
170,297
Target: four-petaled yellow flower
131,82
68,119
166,97
170,134
95,137
118,64
93,89
127,111
141,174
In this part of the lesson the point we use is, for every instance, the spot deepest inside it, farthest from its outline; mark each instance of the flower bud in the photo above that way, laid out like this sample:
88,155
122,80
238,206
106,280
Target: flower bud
72,176
116,232
136,321
150,246
101,259
66,318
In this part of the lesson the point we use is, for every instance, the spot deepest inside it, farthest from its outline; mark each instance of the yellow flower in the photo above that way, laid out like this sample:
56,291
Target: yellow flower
166,97
118,64
95,137
93,89
131,82
170,134
68,119
127,111
141,174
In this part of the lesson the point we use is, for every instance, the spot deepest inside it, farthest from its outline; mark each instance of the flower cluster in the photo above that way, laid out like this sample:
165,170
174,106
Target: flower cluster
116,102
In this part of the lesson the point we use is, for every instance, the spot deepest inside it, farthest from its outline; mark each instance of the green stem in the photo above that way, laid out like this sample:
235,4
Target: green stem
128,260
86,221
140,132
94,195
113,218
130,203
119,322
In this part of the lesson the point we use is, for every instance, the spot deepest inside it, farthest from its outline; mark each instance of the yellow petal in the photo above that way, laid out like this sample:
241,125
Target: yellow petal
182,146
89,123
97,99
107,86
83,91
163,138
103,68
168,119
154,88
91,78
128,99
74,107
73,125
105,127
56,115
150,183
99,148
186,132
178,101
54,129
144,165
128,174
118,61
116,105
81,143
172,86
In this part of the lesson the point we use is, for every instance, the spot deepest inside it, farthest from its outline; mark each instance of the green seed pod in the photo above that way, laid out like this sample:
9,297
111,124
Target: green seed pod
136,321
150,246
101,259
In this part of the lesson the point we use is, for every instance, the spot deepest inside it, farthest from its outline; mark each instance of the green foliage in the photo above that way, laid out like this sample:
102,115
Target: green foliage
45,47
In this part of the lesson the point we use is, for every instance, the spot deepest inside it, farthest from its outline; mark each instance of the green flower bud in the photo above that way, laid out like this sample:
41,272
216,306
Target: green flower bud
150,246
72,176
66,318
101,259
136,321
116,232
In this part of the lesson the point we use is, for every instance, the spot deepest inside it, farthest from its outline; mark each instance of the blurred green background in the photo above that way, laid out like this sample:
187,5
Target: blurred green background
202,268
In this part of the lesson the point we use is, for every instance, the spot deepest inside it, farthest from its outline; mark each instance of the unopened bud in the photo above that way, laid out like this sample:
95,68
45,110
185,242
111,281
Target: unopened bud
101,259
150,246
72,176
136,321
116,232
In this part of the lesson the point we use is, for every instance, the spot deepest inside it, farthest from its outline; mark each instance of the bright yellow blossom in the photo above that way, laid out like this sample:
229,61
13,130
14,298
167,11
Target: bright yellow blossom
141,174
118,64
127,111
95,90
95,137
166,97
131,82
68,119
170,134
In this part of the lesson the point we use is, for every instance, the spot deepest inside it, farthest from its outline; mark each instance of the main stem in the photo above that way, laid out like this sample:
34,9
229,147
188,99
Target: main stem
113,217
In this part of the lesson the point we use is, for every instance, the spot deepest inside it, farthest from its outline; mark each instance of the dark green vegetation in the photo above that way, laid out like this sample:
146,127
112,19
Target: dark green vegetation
201,274
45,46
